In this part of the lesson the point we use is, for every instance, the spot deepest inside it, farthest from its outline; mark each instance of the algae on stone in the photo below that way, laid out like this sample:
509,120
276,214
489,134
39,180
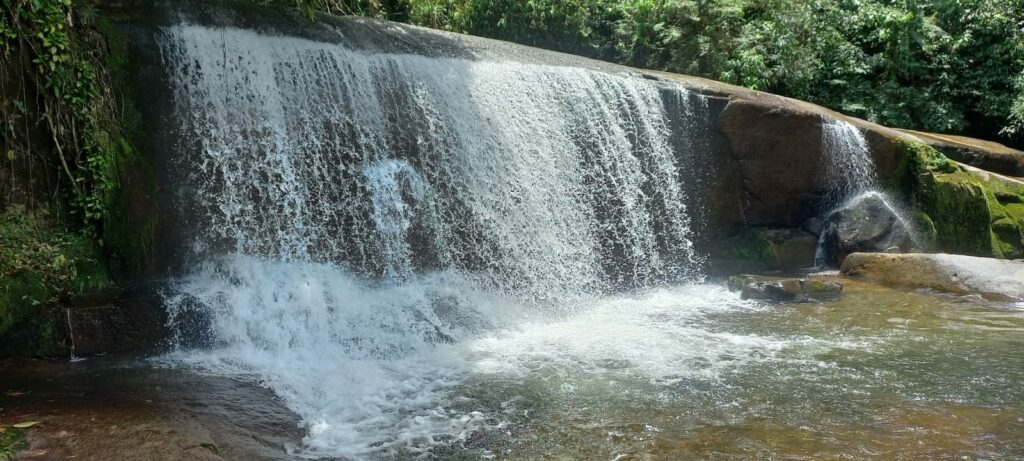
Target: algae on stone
961,210
39,261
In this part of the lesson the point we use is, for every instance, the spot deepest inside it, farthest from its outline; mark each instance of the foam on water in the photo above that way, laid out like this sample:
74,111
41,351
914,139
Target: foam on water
373,367
364,232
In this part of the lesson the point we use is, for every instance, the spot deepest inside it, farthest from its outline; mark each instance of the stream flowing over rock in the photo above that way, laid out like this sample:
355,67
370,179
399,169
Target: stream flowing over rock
866,224
393,228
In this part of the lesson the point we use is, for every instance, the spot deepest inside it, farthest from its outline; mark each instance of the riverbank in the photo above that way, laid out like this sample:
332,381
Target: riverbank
123,408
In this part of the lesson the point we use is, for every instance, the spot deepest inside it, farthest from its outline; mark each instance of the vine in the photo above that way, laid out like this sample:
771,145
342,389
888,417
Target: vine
74,105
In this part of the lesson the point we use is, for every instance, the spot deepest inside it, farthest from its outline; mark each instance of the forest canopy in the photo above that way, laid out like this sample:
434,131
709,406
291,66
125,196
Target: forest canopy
954,66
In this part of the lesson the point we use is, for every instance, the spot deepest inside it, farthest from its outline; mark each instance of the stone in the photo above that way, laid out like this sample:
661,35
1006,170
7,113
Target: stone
762,249
993,279
821,289
814,226
961,209
785,290
768,291
131,320
867,224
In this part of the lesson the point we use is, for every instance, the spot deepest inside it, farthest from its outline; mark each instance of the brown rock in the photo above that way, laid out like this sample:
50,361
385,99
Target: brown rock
993,279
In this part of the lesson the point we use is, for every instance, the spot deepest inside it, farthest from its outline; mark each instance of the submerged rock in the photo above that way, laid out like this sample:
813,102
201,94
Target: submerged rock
867,224
786,290
993,279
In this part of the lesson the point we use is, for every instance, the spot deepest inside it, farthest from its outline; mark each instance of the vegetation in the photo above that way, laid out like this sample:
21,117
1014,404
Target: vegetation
957,210
64,156
12,439
38,260
953,66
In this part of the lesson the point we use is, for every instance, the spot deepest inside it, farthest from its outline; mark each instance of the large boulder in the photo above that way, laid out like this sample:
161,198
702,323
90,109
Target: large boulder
867,224
993,279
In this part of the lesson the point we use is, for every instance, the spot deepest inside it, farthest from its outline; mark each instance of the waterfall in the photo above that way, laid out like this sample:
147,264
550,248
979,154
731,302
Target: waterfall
849,168
347,215
849,179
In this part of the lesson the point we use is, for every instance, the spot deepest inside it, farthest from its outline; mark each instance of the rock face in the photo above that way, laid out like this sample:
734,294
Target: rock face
958,208
867,224
993,279
107,322
763,249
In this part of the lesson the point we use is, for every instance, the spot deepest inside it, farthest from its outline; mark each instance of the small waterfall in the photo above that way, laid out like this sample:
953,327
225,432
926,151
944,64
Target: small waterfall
849,168
71,336
347,215
849,177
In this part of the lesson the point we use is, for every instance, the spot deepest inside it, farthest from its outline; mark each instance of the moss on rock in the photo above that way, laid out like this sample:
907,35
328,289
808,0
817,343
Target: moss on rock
763,249
40,261
960,210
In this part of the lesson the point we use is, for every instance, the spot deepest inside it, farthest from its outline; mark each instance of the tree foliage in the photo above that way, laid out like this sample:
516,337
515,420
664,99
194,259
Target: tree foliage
939,65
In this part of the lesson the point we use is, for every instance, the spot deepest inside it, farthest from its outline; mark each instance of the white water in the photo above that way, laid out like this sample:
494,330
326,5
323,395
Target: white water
367,232
849,175
360,362
849,168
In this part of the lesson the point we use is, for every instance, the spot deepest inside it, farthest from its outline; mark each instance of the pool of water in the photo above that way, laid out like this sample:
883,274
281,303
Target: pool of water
690,372
694,372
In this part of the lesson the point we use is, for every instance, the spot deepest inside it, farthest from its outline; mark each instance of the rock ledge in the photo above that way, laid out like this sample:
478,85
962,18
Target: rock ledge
993,279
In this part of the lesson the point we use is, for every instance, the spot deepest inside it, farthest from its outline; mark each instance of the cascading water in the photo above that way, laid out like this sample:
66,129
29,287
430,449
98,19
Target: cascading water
849,177
849,169
352,216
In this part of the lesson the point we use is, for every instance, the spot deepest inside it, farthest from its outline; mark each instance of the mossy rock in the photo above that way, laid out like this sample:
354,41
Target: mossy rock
41,261
760,249
960,210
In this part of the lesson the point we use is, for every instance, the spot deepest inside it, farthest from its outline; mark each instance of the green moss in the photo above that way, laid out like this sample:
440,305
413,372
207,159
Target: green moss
747,244
962,210
129,222
12,440
925,227
41,260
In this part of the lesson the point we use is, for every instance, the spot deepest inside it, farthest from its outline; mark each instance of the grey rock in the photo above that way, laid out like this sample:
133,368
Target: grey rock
786,290
867,224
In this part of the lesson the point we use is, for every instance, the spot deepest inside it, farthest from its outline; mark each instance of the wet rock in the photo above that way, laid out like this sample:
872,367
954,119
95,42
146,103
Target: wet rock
98,323
764,249
993,279
814,226
867,224
786,290
821,289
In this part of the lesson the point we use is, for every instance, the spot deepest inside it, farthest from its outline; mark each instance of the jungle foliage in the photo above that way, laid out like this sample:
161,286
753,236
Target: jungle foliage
953,66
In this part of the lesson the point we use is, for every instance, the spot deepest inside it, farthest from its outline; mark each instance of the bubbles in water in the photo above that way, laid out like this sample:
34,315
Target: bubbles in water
361,227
